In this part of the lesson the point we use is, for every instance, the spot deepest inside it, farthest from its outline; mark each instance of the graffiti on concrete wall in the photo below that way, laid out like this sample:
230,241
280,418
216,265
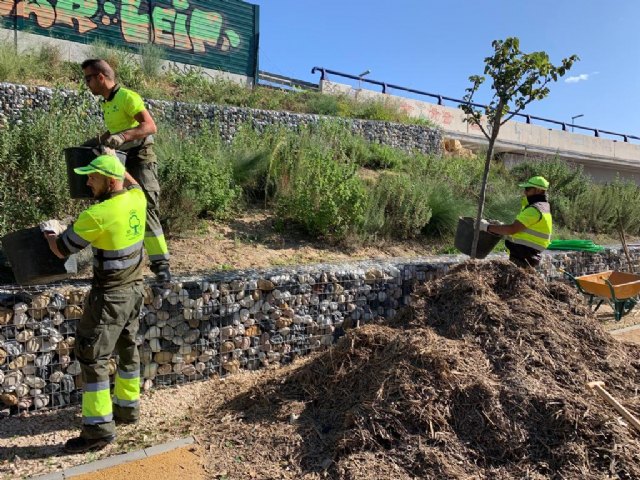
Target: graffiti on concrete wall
194,27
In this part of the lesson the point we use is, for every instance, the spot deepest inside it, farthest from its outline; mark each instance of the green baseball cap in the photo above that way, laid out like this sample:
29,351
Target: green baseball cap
535,182
107,165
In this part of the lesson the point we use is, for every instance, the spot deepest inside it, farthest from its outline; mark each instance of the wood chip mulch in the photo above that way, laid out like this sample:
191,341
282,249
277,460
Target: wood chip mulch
484,377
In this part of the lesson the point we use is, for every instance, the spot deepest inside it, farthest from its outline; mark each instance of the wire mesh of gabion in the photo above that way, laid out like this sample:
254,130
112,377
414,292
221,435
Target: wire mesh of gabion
37,336
190,330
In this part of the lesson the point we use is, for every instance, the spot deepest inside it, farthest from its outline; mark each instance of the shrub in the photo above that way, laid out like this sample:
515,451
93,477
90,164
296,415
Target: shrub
322,194
566,180
601,209
398,207
446,207
196,178
324,104
383,157
151,58
254,160
33,182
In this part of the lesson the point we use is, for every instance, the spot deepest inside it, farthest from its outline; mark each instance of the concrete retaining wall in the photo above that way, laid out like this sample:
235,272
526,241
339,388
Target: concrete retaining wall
220,324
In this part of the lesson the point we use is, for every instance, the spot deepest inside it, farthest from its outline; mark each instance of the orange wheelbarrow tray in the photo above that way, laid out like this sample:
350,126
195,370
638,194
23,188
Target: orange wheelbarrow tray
620,289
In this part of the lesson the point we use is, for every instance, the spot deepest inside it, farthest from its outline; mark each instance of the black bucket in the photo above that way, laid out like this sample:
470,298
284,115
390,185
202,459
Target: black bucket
464,238
81,157
31,259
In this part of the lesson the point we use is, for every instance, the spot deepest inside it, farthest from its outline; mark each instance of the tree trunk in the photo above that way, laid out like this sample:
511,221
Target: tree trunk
483,189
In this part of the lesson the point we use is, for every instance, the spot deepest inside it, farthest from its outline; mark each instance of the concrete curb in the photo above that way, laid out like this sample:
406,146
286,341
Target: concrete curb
116,460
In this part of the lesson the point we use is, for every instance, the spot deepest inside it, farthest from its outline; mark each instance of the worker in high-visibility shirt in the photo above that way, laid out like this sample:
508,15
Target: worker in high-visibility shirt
114,227
530,234
130,128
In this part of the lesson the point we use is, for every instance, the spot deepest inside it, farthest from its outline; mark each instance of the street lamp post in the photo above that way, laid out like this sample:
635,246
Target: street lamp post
573,119
363,74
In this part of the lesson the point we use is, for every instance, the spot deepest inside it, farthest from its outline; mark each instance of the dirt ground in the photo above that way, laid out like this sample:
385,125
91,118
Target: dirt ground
252,241
32,444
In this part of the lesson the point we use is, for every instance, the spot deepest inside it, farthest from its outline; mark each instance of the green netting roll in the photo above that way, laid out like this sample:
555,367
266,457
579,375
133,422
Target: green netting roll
577,245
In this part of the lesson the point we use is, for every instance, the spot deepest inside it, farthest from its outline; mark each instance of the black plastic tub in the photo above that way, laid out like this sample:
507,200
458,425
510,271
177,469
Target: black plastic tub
464,238
81,157
32,262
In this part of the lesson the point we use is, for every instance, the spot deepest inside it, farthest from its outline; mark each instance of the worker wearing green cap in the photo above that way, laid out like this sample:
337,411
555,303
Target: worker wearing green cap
115,228
530,234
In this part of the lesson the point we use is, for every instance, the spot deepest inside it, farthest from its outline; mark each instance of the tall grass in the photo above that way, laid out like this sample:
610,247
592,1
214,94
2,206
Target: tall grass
33,178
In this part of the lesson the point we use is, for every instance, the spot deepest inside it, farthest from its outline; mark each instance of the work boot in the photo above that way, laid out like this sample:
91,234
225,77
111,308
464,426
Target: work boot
123,421
81,444
163,274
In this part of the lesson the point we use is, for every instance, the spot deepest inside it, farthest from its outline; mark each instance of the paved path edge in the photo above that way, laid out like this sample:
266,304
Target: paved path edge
116,460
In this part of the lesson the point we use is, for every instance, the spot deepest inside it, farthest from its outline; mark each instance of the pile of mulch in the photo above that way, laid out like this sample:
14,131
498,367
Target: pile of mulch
483,377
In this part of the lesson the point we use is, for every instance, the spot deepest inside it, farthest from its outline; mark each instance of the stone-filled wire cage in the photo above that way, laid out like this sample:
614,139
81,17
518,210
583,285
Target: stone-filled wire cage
37,335
191,330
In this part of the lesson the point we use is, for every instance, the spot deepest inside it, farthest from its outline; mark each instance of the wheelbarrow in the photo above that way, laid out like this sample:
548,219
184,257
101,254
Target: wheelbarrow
621,290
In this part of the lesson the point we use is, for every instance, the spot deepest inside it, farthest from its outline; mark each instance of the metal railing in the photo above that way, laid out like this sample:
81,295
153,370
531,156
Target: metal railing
441,99
280,81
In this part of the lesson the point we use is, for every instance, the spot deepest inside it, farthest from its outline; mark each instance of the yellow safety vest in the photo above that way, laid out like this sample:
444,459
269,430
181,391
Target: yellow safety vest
115,229
537,235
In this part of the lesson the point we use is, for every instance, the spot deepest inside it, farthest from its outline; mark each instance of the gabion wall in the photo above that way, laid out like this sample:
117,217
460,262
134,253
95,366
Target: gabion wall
219,325
14,99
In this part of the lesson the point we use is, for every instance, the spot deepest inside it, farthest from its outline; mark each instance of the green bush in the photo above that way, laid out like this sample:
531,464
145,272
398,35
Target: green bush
318,191
565,180
383,157
33,182
44,62
324,104
151,58
398,207
601,209
254,158
196,178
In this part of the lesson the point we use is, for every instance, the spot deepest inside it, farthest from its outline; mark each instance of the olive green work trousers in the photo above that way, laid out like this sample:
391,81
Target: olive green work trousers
110,321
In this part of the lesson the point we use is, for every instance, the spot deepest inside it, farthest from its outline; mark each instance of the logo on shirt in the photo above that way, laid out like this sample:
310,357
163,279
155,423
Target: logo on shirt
134,223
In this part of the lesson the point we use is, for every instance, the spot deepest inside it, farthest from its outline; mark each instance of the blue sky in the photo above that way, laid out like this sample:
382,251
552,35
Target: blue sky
435,45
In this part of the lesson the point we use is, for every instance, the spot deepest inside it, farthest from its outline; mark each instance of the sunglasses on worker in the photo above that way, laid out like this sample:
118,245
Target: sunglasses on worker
87,78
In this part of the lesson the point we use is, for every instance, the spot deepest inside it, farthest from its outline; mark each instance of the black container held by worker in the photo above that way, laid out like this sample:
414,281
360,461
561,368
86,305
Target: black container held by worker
81,157
31,259
464,238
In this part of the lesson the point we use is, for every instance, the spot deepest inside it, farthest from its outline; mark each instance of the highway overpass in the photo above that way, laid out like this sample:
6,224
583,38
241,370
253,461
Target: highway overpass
602,158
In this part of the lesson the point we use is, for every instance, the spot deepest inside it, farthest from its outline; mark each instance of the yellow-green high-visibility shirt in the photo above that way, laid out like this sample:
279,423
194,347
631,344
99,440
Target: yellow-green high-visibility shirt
539,226
114,227
120,109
